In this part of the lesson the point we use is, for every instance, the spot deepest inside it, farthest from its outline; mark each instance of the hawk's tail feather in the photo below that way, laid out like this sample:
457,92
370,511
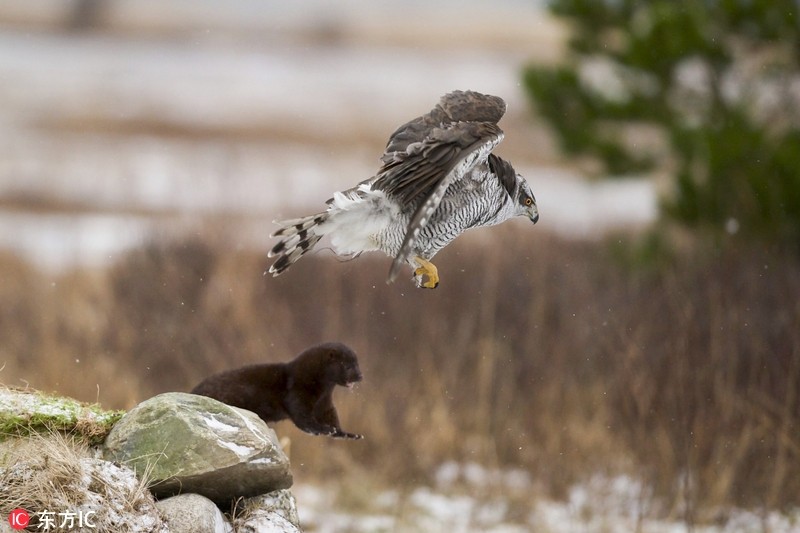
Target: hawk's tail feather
298,237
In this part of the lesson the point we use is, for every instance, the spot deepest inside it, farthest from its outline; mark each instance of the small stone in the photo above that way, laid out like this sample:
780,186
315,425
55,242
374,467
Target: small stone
267,523
274,512
265,508
192,513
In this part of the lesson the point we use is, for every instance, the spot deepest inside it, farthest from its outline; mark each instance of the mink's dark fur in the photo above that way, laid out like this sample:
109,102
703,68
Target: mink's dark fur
301,389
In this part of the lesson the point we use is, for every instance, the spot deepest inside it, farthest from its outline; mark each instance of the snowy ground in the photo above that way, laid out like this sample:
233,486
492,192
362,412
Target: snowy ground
469,498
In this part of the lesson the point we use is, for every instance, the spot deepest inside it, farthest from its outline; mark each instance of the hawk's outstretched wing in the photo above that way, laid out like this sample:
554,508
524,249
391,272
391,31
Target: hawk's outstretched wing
456,106
438,178
424,156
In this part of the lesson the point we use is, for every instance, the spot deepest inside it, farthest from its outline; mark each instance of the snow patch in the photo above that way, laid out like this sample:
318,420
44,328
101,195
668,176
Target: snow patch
241,451
215,424
262,460
474,475
255,430
466,500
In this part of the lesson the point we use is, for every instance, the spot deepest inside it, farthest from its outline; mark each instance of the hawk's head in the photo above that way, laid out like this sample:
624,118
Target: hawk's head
526,201
517,188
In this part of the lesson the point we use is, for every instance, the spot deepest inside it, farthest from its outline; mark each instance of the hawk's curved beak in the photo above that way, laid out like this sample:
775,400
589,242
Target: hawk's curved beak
533,214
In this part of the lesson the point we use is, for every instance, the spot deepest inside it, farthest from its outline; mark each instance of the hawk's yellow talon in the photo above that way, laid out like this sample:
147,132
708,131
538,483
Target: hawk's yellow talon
429,270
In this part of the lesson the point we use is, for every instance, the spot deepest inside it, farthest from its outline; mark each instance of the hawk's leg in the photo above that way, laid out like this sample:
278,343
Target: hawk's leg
426,268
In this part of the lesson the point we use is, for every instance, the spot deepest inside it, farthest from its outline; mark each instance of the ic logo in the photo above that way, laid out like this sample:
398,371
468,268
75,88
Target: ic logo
19,518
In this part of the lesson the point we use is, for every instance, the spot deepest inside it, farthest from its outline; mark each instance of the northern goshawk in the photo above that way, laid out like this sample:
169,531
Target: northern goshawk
438,179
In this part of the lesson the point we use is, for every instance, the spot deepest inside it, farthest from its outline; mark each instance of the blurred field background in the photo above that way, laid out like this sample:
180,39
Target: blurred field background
146,148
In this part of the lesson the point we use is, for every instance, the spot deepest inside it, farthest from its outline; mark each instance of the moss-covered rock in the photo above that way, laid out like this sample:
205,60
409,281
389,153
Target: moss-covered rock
189,443
23,412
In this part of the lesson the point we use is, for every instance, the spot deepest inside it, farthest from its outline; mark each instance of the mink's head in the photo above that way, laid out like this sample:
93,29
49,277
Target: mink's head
335,363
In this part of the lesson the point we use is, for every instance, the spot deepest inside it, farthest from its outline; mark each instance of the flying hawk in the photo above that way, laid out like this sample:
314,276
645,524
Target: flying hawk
438,178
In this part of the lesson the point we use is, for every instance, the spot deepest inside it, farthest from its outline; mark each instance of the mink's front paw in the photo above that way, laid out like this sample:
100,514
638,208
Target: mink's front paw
346,435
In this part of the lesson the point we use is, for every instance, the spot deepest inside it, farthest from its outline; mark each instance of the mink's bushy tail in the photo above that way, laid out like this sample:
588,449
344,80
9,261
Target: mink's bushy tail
298,236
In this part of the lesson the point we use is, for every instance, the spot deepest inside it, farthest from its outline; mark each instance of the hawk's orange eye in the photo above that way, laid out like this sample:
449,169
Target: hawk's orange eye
529,201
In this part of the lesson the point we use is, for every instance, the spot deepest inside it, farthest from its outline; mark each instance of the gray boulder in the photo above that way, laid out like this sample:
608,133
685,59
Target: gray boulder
189,443
192,513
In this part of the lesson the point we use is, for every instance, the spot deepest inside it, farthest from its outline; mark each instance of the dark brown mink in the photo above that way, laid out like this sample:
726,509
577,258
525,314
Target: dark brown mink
301,390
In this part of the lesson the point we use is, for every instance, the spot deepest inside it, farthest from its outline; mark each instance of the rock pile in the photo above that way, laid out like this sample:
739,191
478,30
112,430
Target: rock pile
197,456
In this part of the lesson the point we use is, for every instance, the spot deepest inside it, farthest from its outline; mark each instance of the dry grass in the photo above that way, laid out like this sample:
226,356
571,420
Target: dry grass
57,474
556,357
